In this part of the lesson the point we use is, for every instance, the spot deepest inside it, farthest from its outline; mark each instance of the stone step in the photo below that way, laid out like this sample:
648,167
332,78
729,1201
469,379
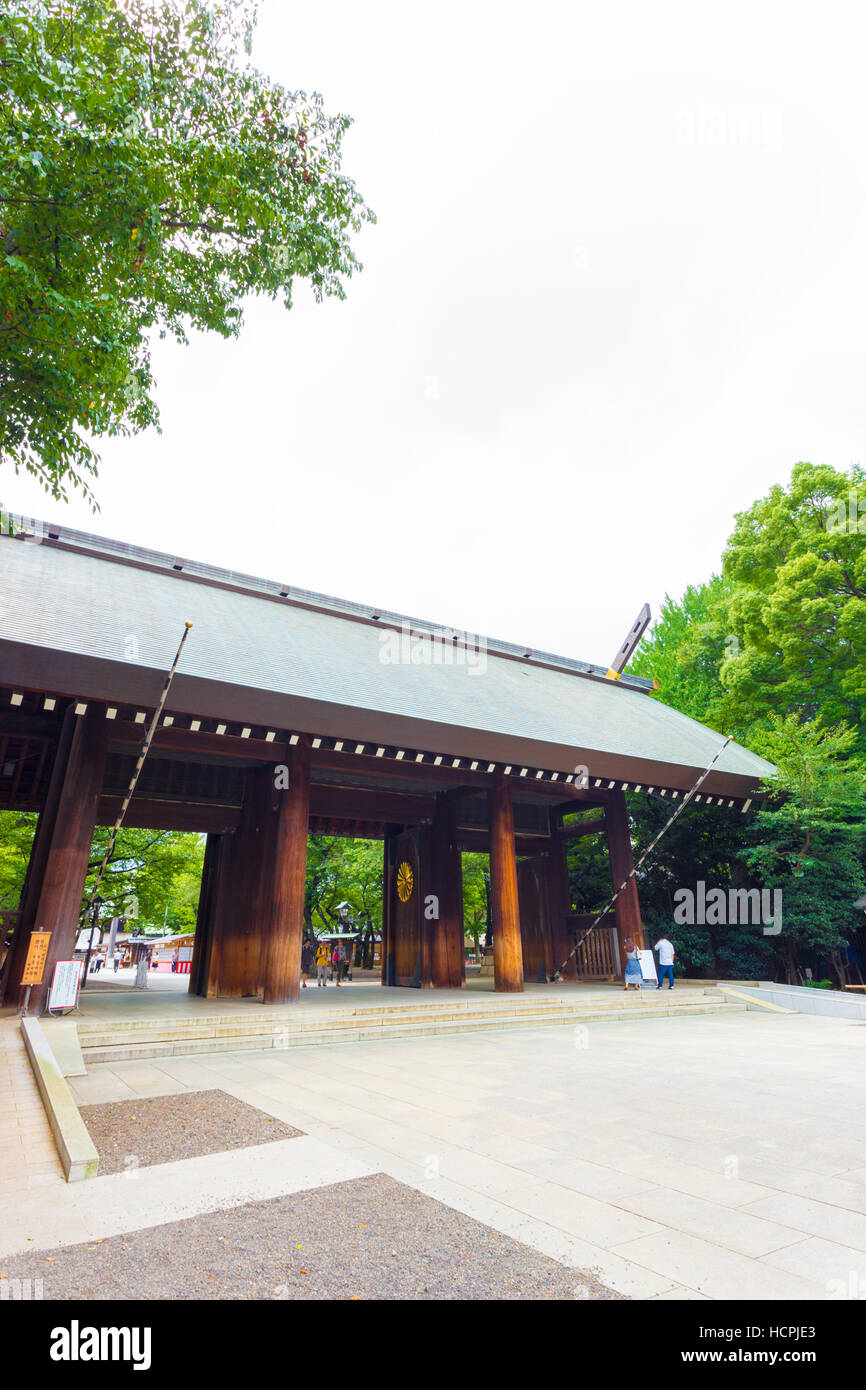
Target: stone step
279,1017
235,1025
313,1035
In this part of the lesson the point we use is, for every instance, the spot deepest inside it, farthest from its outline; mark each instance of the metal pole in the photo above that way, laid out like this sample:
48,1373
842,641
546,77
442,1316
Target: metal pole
145,748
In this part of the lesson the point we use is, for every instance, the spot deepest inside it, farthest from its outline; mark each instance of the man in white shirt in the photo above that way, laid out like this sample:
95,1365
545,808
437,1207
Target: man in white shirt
666,961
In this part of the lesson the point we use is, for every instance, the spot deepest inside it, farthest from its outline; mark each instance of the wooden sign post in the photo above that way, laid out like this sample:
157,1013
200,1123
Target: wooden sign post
34,965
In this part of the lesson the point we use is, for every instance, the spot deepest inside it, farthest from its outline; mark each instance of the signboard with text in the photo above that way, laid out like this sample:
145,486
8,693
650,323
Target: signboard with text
648,968
65,984
37,955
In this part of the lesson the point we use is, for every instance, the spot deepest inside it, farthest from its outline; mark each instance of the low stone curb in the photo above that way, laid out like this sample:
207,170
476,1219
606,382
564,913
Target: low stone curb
76,1149
753,1001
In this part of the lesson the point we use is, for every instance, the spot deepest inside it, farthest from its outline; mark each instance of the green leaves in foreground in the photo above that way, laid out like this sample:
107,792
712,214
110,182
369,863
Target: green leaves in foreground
151,179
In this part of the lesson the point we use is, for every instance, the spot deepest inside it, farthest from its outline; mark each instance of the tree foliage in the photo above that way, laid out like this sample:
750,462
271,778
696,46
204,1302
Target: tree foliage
809,836
152,178
153,876
773,649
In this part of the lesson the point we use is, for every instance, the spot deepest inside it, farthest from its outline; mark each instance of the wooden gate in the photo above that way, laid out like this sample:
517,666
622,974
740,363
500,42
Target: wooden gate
598,957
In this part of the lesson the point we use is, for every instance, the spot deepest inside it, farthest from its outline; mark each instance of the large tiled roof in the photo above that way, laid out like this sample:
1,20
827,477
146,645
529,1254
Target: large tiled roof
102,620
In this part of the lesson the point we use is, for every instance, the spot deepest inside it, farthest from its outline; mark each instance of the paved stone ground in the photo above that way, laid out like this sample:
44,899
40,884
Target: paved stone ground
163,1129
28,1155
683,1158
373,1238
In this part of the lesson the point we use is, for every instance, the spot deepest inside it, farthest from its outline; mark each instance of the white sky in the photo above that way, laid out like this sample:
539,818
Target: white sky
615,291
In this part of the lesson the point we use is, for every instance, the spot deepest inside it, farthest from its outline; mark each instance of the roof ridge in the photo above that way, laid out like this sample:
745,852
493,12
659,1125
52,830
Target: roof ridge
202,571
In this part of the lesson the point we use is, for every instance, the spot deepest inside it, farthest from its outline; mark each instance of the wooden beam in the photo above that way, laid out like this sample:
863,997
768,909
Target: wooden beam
370,803
461,779
582,828
507,950
212,745
478,842
581,799
195,817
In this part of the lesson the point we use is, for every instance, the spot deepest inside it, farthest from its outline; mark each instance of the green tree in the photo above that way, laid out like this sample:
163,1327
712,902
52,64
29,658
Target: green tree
339,868
475,922
810,835
153,877
685,649
708,844
773,650
795,605
16,836
152,178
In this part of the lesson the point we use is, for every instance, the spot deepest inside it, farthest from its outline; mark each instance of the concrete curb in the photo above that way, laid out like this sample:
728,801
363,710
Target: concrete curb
75,1147
753,1001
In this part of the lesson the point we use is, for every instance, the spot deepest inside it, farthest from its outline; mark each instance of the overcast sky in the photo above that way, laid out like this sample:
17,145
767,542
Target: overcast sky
615,292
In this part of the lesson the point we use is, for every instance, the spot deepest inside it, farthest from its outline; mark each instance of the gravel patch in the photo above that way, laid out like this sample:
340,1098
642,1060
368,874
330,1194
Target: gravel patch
163,1129
369,1238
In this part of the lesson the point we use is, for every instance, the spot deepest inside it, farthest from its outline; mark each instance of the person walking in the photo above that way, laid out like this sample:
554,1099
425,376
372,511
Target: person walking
666,960
633,972
322,958
175,957
116,961
306,960
338,961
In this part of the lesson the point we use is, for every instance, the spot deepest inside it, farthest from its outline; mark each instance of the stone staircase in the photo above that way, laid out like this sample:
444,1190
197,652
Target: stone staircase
111,1040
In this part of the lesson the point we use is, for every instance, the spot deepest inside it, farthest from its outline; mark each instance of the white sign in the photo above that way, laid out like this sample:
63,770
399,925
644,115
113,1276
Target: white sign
65,984
185,953
648,967
90,936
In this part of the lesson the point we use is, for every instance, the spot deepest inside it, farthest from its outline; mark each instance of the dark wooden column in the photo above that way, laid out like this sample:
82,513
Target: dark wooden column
534,919
282,977
201,949
507,953
389,850
61,848
559,899
447,963
242,889
627,907
39,849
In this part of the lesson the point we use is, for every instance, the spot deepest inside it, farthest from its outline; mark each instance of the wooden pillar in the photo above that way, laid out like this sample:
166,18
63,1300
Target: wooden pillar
559,898
201,949
448,956
507,952
387,967
282,976
627,906
534,906
39,849
242,889
61,848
